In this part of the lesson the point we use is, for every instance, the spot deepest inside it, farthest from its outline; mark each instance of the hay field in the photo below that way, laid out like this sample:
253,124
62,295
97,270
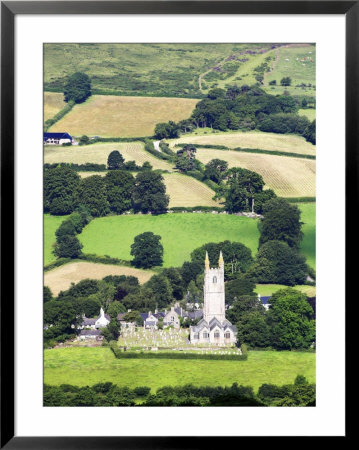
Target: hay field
60,279
98,153
53,102
288,177
251,139
110,115
187,191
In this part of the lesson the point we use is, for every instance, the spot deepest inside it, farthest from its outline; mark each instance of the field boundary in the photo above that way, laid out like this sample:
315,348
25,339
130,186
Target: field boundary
251,150
58,116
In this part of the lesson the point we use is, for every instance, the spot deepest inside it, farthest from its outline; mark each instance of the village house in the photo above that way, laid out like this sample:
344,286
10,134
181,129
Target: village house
90,335
172,318
95,323
58,139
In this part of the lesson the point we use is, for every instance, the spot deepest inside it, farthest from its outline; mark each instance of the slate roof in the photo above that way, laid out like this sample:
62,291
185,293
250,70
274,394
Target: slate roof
108,317
87,322
90,333
212,324
197,314
57,136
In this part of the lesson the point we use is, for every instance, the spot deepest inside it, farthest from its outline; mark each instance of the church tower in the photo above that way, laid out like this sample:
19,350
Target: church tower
213,291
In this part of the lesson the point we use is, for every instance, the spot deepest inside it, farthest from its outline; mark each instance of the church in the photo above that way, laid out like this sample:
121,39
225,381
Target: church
214,328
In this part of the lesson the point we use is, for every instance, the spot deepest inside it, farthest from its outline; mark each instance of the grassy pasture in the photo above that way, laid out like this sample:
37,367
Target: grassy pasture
53,103
297,62
288,177
60,278
310,114
68,365
307,246
181,233
108,115
269,289
51,224
98,153
252,139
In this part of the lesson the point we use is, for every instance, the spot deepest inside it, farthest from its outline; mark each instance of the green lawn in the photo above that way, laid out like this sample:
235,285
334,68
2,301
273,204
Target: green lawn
181,233
88,366
307,246
268,289
51,224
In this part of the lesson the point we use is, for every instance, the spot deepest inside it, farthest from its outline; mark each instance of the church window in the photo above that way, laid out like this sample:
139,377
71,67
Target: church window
216,334
205,335
227,335
214,279
196,336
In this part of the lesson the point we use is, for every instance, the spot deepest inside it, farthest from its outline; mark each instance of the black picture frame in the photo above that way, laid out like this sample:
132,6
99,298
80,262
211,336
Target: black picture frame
9,10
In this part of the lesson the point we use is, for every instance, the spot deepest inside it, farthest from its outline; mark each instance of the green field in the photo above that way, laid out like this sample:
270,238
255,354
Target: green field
181,233
51,224
299,63
69,365
307,246
268,289
308,113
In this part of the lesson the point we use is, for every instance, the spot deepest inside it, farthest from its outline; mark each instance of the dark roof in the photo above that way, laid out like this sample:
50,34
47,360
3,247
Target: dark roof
90,333
57,136
265,300
197,314
87,321
159,315
120,316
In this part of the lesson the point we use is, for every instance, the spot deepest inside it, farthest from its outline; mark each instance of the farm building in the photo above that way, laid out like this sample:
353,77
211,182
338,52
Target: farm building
58,139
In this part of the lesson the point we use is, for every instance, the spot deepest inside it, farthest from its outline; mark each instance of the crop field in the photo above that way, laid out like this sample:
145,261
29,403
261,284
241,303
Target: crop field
288,177
60,278
98,153
307,246
53,102
51,224
68,365
181,233
187,191
114,116
268,289
252,139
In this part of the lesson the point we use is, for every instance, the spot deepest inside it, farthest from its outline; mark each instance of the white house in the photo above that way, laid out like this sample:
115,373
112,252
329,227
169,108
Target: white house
58,139
103,320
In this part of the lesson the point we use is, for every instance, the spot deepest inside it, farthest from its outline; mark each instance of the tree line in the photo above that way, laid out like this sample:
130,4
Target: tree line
300,393
243,108
117,192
